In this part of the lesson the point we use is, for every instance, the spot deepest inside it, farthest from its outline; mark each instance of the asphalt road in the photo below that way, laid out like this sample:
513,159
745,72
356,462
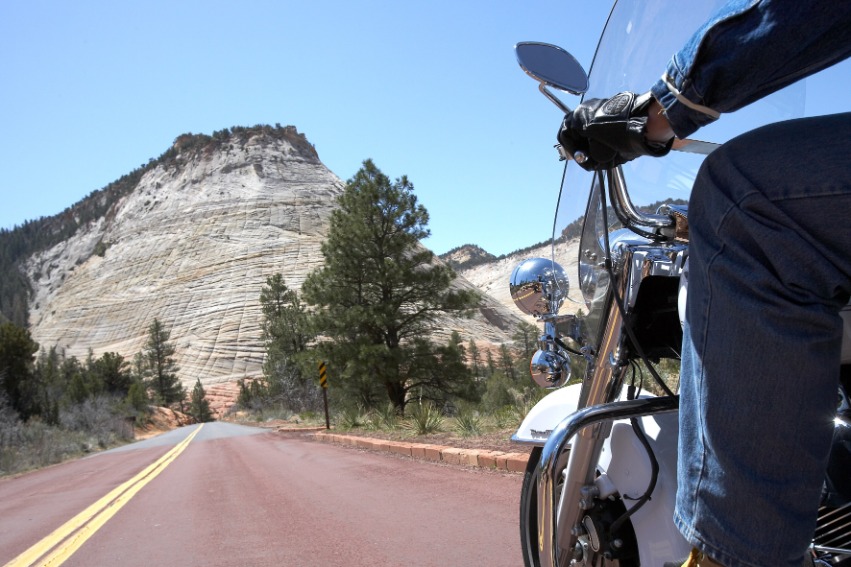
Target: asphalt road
223,494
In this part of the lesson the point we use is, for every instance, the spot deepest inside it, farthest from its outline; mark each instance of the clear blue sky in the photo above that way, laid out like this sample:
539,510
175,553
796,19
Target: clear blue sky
429,89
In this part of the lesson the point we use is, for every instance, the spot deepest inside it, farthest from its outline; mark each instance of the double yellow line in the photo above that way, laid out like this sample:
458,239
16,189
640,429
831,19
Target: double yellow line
56,548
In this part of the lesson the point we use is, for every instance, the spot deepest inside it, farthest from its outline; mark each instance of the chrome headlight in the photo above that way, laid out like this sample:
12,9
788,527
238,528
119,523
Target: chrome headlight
539,286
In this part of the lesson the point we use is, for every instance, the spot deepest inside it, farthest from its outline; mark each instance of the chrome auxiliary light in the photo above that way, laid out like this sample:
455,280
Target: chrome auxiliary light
538,287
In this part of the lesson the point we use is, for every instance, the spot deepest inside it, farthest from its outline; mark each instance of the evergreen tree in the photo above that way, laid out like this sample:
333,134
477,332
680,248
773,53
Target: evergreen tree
526,338
77,384
243,399
439,374
288,368
137,397
161,367
506,362
113,373
526,344
16,369
475,358
139,368
379,290
491,364
498,392
199,407
48,381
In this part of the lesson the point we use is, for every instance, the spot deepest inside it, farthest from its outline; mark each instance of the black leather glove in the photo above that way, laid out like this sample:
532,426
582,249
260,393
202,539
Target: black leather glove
609,132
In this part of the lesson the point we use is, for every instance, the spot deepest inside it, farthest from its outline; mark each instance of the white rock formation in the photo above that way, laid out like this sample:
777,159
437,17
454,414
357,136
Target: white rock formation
192,245
493,277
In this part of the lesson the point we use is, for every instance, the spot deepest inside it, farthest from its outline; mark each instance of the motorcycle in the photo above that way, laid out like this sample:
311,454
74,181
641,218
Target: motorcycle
601,482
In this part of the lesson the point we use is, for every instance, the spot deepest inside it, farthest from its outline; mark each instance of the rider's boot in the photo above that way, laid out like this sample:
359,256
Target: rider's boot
699,559
696,559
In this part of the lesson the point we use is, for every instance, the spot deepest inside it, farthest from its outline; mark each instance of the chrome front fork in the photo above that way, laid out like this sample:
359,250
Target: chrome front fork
565,517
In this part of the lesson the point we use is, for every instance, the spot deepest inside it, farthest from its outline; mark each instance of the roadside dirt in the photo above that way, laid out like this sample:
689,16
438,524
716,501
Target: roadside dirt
161,420
494,441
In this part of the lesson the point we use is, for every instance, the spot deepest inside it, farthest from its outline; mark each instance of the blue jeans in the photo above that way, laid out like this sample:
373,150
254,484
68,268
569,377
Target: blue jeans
769,270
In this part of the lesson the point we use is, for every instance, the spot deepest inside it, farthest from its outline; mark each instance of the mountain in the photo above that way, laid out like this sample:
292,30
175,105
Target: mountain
190,240
491,274
467,256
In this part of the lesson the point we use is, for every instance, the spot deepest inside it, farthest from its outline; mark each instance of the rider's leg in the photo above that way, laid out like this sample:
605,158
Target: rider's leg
769,269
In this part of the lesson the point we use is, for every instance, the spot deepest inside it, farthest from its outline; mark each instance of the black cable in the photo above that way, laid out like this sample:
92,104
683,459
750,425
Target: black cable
654,476
561,344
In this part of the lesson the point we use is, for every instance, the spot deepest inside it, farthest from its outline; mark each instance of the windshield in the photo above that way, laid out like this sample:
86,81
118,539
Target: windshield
637,42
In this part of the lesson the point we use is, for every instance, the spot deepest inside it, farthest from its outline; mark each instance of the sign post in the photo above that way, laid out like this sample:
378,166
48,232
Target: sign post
323,382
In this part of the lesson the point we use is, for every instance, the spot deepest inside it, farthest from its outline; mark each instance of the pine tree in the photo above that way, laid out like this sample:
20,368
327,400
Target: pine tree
288,368
113,372
162,369
506,362
199,407
379,291
475,358
16,369
137,397
526,339
491,364
526,344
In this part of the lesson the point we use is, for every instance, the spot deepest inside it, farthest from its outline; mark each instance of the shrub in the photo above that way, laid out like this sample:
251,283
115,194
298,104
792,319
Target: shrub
424,419
35,444
383,418
351,418
506,417
98,419
469,424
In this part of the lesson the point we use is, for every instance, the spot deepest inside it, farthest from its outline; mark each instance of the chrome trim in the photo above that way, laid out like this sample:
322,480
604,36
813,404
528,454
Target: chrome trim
530,442
557,442
666,260
599,386
553,98
624,208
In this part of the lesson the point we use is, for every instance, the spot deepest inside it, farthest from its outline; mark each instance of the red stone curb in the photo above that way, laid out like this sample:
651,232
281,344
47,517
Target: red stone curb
509,462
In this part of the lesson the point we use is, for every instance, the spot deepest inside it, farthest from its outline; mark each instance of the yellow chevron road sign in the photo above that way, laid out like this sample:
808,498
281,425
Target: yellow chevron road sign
323,379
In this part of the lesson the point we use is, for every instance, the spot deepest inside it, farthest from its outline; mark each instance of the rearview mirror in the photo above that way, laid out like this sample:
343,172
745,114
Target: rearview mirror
552,66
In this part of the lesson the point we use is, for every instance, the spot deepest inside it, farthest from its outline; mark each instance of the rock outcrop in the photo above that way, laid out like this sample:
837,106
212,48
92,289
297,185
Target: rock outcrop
192,245
492,277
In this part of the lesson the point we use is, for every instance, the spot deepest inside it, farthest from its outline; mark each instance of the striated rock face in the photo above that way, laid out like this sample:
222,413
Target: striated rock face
192,245
492,277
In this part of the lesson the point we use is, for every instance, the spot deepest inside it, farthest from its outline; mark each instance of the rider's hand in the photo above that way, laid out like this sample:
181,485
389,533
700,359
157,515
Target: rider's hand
609,132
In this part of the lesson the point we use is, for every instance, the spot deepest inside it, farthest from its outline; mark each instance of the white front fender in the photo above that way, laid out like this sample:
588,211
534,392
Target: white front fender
549,412
626,464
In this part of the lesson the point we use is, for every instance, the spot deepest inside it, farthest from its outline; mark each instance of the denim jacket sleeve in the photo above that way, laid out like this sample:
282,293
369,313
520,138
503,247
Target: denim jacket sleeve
747,50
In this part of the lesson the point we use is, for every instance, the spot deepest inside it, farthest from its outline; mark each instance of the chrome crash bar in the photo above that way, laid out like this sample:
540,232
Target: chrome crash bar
548,469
